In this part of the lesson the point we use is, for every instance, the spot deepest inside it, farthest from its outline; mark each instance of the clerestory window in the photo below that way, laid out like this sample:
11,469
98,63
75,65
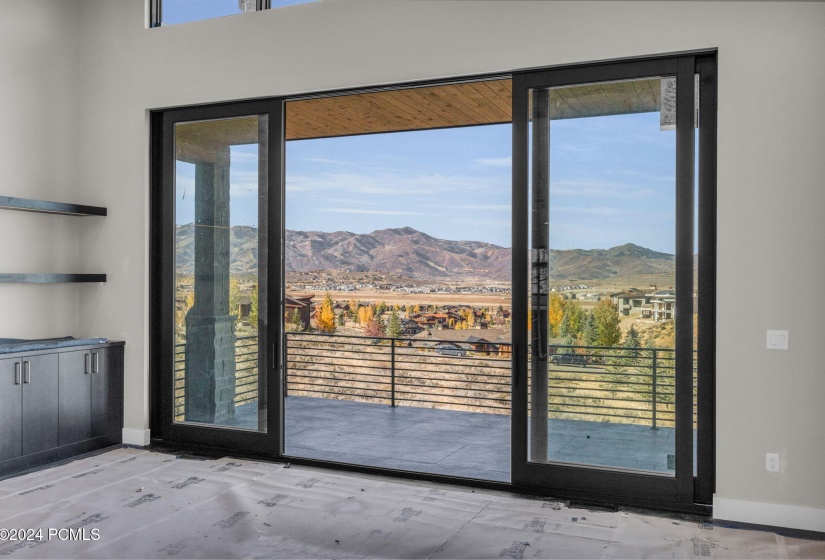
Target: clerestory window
172,12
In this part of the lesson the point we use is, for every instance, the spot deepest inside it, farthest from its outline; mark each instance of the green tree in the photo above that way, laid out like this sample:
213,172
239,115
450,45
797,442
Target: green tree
341,319
235,298
394,328
589,335
253,307
380,308
295,323
606,316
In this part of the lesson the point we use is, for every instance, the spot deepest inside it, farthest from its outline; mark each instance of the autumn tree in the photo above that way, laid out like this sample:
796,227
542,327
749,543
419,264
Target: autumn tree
373,328
326,316
380,308
555,314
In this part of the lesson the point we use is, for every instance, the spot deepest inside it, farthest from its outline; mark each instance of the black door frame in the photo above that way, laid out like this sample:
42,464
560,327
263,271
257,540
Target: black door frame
270,208
682,491
601,485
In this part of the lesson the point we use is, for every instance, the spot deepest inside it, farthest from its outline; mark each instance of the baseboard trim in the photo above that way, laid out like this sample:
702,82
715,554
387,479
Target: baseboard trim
140,438
774,515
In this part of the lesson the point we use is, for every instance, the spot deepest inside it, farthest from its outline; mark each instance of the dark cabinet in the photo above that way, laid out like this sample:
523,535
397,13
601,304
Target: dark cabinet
58,404
91,394
107,391
75,376
28,405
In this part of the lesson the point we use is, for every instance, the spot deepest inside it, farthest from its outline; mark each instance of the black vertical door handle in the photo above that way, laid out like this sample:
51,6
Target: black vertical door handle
87,363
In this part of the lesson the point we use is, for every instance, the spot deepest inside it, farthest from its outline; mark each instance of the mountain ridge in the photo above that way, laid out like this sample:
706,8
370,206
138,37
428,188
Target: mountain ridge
410,253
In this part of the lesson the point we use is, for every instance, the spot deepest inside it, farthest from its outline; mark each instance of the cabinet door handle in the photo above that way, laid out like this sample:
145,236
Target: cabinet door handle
27,372
87,363
96,368
17,377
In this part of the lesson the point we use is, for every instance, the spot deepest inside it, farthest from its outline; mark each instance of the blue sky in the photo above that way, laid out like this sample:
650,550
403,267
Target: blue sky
181,11
612,182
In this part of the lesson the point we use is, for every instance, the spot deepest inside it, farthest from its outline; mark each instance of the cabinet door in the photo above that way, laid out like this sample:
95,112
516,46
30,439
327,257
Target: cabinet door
107,391
75,396
11,409
39,403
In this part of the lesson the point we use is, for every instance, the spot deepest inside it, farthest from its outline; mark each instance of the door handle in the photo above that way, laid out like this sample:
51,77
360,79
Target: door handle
17,377
87,363
27,372
96,366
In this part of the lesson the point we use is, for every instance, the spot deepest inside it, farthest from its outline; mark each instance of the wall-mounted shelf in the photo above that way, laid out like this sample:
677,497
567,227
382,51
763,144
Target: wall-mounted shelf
50,278
46,207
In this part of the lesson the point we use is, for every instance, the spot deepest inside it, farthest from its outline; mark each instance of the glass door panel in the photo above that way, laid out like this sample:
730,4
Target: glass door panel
604,301
219,177
603,244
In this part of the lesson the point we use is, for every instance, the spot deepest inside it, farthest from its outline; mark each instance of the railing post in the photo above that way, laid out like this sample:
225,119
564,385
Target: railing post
654,391
392,372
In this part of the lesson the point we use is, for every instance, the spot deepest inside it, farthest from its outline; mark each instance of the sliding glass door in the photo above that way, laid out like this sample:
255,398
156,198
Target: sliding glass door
220,226
406,321
607,345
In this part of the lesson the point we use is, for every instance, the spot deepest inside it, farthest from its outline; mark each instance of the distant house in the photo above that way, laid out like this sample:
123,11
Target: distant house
410,327
629,302
662,306
303,304
480,344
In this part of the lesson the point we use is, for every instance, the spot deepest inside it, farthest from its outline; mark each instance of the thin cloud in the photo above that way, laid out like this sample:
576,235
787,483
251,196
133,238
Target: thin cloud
370,212
496,162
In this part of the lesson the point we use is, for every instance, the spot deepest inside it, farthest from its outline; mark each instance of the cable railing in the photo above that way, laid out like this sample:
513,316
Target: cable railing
604,384
400,371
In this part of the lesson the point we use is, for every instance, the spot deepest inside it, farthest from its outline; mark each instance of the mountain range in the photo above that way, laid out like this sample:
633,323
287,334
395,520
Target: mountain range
413,254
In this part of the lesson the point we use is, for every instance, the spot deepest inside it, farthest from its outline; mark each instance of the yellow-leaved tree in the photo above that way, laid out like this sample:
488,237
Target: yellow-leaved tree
326,316
555,313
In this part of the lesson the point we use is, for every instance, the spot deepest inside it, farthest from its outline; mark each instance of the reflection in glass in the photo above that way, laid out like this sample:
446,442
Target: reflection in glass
602,291
217,181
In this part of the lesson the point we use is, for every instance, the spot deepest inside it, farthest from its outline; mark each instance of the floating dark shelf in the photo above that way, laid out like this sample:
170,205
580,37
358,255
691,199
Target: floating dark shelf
50,278
46,207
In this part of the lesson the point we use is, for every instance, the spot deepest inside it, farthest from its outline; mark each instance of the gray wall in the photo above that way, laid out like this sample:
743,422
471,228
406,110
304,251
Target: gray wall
771,168
39,153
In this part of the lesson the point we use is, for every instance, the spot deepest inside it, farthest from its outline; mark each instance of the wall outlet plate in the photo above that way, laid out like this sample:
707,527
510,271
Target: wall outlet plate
777,340
772,462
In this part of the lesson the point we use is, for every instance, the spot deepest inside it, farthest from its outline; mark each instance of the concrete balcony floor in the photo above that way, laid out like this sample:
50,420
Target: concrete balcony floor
454,443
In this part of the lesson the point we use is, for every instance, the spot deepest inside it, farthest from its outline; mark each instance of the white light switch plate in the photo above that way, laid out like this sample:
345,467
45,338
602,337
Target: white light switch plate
777,340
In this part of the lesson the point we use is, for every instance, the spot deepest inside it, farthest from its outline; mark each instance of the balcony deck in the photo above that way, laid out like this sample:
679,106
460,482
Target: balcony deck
462,444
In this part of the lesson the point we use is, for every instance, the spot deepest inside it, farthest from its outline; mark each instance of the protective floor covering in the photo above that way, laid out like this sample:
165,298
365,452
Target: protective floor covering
144,504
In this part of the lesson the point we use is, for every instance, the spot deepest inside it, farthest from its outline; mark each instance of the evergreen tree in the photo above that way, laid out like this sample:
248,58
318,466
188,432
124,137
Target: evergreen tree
296,324
395,327
590,334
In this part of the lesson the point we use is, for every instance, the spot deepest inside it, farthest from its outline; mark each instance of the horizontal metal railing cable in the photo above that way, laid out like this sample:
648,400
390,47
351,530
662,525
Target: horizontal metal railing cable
630,385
